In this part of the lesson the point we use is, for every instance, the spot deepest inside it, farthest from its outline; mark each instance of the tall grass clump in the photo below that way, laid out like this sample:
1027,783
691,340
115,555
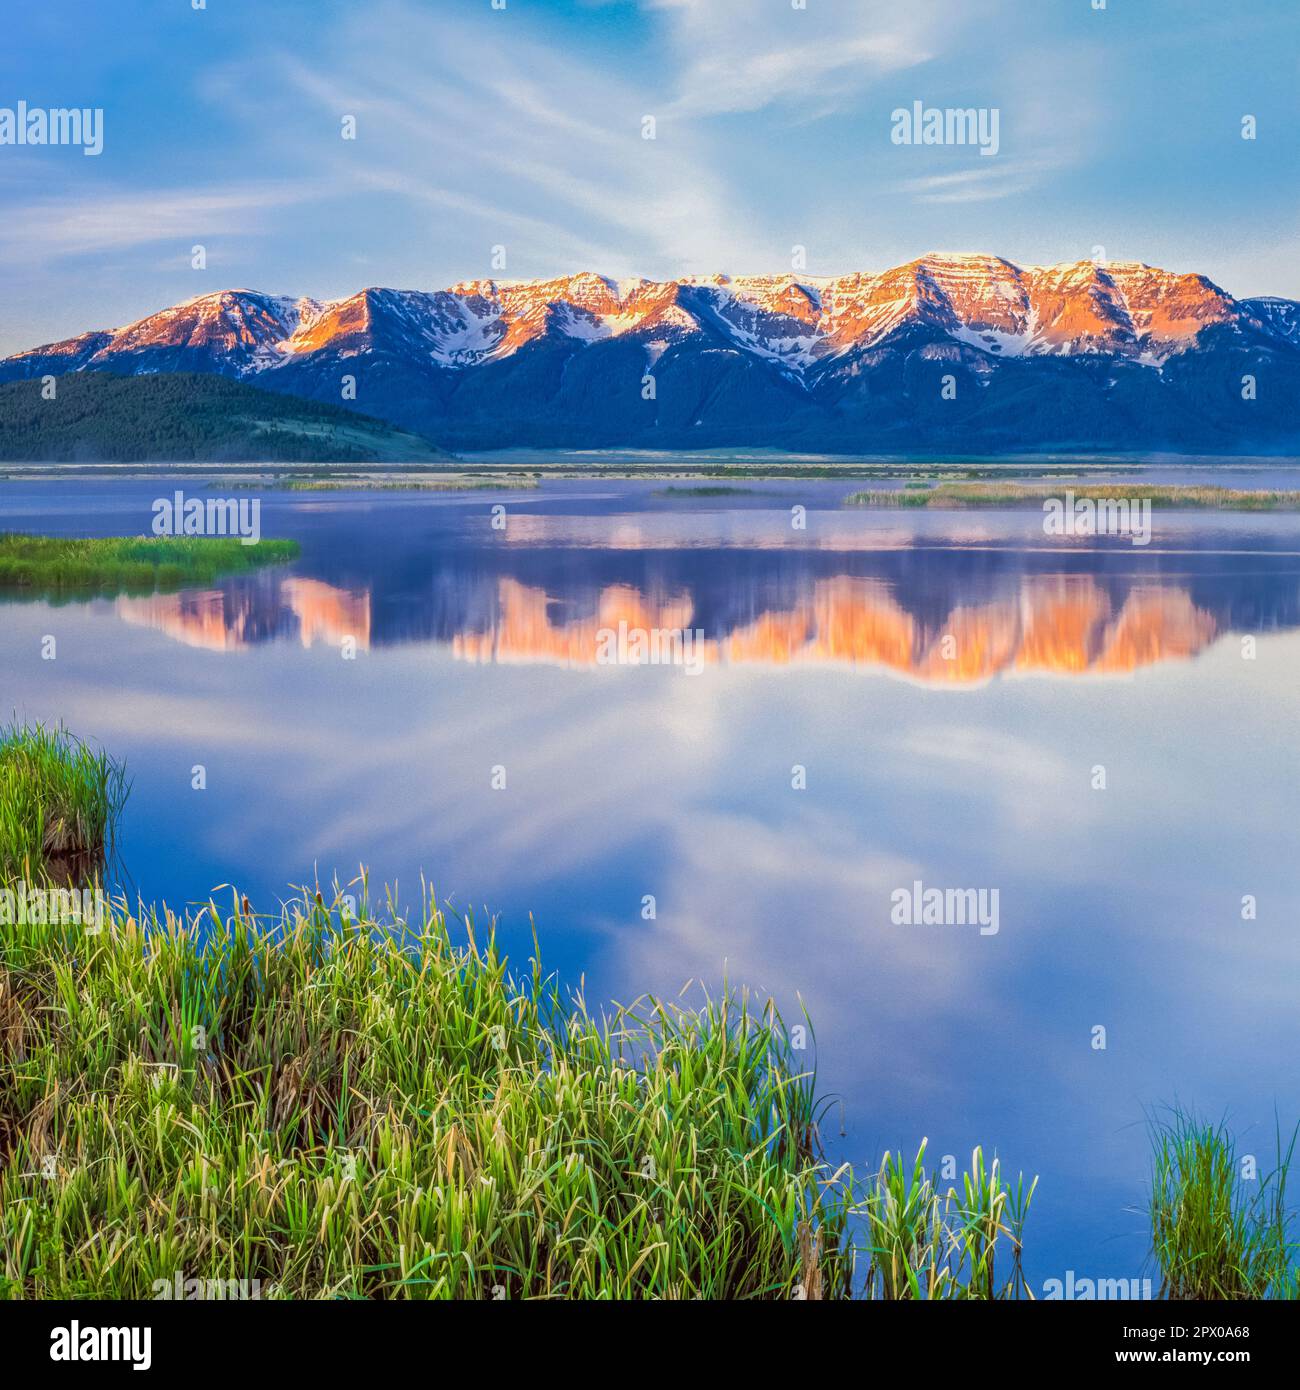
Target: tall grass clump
337,1109
927,1243
1216,1235
78,566
59,802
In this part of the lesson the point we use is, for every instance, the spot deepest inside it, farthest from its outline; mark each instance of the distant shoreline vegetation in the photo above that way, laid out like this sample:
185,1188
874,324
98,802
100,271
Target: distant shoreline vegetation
527,468
456,484
957,495
77,567
706,490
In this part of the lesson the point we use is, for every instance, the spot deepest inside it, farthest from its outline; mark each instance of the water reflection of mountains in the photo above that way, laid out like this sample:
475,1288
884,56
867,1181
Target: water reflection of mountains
1098,612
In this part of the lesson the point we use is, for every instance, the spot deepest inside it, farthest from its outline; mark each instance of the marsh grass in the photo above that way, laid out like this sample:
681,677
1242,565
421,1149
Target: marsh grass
414,485
952,495
59,803
345,1110
338,1106
927,1243
1215,1233
70,567
704,490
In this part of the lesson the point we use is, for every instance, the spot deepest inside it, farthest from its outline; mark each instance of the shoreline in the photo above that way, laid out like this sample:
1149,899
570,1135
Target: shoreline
528,467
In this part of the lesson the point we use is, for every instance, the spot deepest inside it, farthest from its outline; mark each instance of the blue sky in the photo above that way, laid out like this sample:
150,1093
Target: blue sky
522,128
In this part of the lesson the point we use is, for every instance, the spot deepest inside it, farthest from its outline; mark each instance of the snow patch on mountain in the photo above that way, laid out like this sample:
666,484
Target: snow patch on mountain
801,325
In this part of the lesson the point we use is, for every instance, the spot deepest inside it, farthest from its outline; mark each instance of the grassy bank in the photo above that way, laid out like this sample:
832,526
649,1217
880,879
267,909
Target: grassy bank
337,1110
69,567
59,802
318,1105
951,495
315,1105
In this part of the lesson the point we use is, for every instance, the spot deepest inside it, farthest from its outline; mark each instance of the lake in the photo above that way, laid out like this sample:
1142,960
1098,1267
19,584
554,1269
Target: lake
877,700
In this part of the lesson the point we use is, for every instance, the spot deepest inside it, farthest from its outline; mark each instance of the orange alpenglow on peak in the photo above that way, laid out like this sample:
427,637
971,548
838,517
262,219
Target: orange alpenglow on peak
1077,306
965,351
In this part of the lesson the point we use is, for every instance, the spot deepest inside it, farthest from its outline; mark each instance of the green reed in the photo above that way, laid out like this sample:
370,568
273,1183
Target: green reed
956,495
341,1110
71,566
59,804
335,1107
929,1243
1218,1233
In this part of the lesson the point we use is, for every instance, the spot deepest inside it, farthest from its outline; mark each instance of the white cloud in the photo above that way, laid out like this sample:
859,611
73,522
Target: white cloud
517,136
738,55
50,229
984,182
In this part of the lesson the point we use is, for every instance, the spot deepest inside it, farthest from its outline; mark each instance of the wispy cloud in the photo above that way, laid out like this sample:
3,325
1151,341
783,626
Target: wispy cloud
981,183
535,145
522,127
71,225
736,55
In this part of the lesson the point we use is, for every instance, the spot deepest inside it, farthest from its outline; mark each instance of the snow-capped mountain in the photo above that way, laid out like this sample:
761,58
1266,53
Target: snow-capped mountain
956,350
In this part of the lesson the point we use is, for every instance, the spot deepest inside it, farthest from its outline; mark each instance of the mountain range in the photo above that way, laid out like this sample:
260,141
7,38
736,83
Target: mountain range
960,352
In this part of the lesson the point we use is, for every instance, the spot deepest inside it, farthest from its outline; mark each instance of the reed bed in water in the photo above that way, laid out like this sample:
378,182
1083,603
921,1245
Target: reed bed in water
1221,1228
928,1243
415,485
958,495
59,803
71,566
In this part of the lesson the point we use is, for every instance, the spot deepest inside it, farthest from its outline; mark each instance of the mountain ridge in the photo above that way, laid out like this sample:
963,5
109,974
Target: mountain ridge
968,350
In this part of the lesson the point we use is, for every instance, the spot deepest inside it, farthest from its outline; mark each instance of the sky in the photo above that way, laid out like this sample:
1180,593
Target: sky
486,135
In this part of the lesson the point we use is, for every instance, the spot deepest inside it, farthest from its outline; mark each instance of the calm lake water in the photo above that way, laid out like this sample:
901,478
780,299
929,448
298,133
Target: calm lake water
949,682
